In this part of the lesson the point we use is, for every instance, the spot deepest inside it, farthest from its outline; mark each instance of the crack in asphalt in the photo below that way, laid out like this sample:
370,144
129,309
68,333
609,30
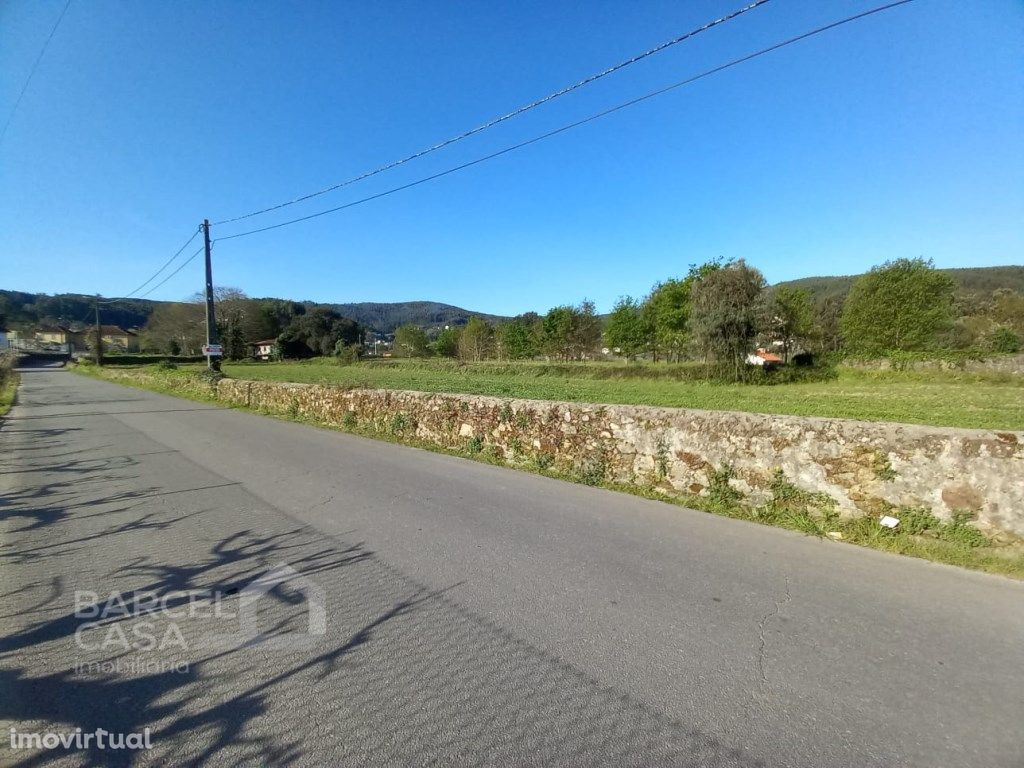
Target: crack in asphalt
762,638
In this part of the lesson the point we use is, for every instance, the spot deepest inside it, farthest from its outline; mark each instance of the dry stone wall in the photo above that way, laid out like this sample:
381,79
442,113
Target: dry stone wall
865,467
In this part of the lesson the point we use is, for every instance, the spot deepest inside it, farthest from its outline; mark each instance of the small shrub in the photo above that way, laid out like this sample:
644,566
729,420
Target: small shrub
592,470
166,365
960,531
506,413
720,492
399,424
1004,340
661,459
543,460
916,521
349,420
475,445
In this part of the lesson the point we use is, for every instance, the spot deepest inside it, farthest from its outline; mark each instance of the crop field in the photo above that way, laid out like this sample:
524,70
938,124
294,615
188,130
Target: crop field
940,398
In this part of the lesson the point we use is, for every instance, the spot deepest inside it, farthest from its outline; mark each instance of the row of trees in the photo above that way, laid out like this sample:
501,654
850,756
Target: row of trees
720,311
564,333
180,328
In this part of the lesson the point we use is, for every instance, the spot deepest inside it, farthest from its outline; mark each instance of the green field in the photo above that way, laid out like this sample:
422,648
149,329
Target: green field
940,398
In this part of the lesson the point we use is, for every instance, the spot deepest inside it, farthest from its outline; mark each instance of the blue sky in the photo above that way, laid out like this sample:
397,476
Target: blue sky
899,135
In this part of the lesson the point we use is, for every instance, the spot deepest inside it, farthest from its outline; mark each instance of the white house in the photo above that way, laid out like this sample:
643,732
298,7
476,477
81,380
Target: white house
264,350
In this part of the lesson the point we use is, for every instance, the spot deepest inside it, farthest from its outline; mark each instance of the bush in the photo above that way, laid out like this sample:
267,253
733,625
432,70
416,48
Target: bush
346,354
1004,340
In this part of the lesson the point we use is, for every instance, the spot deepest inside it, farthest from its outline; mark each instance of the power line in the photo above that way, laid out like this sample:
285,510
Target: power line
180,267
155,274
32,71
584,121
507,116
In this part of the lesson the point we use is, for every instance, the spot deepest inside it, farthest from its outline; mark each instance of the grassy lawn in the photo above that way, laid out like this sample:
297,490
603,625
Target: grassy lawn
940,398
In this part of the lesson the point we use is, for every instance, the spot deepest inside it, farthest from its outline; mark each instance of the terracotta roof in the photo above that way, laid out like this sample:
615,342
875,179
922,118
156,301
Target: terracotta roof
768,357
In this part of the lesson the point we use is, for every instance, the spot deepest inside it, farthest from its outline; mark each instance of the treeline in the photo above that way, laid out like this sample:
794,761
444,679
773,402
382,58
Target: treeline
720,312
297,330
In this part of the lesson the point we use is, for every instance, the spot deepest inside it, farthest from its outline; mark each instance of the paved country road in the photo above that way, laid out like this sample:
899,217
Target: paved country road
473,615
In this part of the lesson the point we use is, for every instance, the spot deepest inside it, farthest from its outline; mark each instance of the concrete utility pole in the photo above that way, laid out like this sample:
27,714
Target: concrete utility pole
212,360
98,350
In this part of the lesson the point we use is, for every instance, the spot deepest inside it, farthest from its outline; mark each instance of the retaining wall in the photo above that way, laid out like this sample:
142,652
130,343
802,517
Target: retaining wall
866,467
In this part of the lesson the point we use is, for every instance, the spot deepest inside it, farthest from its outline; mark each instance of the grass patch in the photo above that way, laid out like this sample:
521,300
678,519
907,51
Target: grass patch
8,391
919,534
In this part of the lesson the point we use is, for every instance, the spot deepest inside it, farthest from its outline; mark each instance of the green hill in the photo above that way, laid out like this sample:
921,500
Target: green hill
969,280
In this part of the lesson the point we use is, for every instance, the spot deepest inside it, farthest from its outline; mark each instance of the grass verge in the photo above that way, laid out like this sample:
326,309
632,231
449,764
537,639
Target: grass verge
920,534
8,391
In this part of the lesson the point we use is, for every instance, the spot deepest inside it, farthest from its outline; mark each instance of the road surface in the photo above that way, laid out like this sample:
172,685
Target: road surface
472,615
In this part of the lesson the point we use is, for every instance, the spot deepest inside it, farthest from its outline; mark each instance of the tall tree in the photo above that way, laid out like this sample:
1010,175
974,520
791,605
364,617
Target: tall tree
518,339
571,333
902,305
175,328
628,329
828,333
411,341
725,313
667,309
317,333
447,342
789,318
475,340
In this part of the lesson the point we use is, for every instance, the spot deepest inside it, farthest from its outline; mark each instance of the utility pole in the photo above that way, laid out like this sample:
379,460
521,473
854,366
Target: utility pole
212,361
98,349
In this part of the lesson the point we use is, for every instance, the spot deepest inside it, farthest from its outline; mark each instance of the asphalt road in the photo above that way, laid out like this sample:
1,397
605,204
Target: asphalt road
473,615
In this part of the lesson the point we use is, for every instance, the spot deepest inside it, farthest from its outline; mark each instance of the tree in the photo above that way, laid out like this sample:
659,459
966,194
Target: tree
175,328
827,331
317,333
447,342
411,341
475,340
724,313
518,339
789,317
902,305
629,329
571,333
667,310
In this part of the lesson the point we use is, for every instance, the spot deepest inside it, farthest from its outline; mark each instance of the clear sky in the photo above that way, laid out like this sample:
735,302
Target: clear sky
900,135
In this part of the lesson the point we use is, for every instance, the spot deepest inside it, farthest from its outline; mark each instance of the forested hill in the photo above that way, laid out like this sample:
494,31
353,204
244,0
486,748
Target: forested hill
18,308
387,317
980,281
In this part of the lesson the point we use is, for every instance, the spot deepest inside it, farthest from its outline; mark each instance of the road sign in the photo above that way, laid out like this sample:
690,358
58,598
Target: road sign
213,350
